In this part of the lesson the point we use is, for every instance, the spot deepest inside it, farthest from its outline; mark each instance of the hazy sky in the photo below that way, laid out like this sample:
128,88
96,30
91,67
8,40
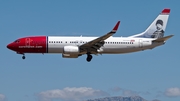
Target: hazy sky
152,74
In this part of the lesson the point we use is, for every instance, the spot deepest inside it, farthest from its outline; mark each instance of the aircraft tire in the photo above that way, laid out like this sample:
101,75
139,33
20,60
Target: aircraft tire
89,57
23,57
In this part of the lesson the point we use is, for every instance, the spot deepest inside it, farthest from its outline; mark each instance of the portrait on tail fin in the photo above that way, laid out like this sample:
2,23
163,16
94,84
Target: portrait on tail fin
157,28
159,33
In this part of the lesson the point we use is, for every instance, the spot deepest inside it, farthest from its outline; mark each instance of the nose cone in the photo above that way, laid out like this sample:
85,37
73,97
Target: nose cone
9,46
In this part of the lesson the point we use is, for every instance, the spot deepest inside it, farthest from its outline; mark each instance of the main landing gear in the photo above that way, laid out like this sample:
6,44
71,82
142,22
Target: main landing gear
23,57
89,57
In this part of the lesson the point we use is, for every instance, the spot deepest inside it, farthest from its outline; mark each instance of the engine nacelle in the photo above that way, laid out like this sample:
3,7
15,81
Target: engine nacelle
71,50
70,55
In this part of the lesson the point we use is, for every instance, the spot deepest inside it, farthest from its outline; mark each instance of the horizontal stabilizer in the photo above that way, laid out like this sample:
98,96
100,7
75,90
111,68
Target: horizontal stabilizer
163,39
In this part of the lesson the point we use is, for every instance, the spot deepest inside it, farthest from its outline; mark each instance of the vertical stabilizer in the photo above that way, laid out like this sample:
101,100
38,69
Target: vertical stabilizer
157,27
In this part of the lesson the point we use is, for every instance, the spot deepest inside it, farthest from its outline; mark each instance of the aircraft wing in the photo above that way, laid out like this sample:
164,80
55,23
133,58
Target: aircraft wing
163,39
98,42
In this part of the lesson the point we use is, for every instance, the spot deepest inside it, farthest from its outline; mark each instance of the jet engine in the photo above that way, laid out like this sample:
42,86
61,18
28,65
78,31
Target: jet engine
70,52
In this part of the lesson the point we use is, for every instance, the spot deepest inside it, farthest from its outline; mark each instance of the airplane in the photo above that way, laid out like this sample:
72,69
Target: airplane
75,46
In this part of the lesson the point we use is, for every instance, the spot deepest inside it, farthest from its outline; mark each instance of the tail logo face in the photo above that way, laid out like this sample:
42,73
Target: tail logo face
159,33
157,27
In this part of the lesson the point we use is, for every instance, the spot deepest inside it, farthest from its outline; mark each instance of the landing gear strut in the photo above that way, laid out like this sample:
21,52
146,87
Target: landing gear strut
23,57
89,57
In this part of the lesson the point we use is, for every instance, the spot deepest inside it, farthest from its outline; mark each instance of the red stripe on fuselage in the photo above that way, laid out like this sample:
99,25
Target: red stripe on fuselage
35,44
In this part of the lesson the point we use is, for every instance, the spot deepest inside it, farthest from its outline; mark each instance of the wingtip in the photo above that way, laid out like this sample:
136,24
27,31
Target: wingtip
116,26
166,11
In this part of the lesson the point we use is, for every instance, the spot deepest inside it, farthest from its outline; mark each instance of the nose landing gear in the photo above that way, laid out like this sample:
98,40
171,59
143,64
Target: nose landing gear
23,57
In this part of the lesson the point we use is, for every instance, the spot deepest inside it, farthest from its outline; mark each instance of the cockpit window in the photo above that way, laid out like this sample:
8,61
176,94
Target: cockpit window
17,41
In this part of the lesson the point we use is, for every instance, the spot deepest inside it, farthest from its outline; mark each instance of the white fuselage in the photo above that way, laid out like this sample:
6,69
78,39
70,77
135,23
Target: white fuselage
113,45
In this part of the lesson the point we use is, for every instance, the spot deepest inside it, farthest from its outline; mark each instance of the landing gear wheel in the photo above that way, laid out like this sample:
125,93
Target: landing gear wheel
23,57
89,57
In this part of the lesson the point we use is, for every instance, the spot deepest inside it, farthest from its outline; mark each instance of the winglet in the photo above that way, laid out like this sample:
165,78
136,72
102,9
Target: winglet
166,11
116,27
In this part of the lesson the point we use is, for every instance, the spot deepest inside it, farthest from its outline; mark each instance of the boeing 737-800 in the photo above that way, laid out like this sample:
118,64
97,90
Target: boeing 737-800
73,47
